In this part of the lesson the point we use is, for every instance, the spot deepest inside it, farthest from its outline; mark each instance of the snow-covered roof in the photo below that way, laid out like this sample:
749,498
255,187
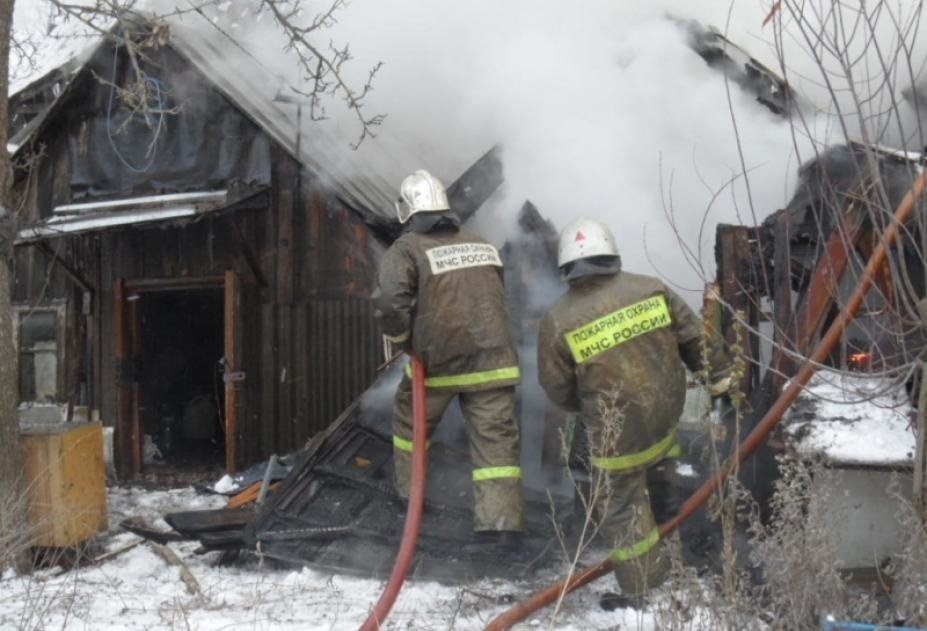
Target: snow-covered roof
357,179
850,419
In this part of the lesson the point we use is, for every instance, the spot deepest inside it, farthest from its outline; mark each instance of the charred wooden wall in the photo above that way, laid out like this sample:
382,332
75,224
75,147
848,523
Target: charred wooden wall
309,343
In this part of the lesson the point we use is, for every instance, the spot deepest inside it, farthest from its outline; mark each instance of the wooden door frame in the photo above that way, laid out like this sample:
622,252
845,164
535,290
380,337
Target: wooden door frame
129,437
232,367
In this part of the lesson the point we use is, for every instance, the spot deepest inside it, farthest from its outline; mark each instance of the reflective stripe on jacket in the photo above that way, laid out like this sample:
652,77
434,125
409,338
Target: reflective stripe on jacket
445,288
613,348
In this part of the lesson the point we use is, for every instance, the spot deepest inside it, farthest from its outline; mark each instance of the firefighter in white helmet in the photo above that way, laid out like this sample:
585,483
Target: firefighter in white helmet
613,349
441,295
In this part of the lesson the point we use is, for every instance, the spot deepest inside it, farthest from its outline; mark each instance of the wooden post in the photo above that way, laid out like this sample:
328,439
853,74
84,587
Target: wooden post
734,258
783,326
232,301
135,347
920,451
123,442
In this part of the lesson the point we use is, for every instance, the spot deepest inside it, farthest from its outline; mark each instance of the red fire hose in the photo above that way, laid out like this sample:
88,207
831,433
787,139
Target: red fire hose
772,417
416,502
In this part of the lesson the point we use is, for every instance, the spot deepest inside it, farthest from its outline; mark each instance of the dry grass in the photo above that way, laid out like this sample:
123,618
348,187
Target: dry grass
15,534
909,568
594,495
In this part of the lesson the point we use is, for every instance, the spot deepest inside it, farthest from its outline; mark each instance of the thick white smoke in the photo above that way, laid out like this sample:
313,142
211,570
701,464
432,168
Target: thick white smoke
601,106
603,110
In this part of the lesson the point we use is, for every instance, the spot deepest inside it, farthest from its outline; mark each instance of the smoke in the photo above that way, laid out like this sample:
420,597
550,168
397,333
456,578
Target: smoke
604,112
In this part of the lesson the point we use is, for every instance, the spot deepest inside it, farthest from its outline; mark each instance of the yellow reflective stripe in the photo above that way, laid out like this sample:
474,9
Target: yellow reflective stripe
652,453
618,327
494,473
471,378
640,548
406,445
398,339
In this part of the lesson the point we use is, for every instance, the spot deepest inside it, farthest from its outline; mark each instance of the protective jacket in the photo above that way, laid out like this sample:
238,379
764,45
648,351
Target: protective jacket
619,342
444,289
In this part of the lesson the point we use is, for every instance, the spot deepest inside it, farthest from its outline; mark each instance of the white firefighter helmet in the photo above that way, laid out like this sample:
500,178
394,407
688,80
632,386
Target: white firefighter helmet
421,192
583,239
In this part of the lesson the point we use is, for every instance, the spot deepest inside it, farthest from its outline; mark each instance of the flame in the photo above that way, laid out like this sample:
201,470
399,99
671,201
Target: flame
860,359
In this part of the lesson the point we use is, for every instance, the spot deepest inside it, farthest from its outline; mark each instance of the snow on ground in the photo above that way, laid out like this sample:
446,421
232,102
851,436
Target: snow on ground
853,419
138,590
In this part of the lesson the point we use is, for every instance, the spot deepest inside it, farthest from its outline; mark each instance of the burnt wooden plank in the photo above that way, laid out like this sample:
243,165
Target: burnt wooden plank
250,396
63,265
476,184
232,342
269,379
246,261
735,279
301,343
175,284
69,381
61,183
314,245
283,198
286,435
817,301
783,325
123,434
135,352
193,523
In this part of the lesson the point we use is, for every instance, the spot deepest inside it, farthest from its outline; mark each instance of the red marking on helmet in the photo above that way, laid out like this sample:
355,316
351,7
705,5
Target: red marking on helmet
580,236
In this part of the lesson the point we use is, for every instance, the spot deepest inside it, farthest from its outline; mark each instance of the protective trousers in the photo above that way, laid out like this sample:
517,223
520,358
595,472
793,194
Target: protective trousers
623,506
493,434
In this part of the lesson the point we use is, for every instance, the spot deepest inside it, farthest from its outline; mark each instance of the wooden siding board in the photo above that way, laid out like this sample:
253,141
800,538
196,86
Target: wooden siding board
284,249
269,379
106,328
301,343
251,402
286,433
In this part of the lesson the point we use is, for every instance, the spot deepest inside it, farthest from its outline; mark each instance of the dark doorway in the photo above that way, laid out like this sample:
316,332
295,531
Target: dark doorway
181,389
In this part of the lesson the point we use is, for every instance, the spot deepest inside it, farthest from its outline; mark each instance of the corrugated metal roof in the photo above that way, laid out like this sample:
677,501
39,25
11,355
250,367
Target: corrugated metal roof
93,222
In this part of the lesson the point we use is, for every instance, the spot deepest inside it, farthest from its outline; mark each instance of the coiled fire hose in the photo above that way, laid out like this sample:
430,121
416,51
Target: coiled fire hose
416,502
772,417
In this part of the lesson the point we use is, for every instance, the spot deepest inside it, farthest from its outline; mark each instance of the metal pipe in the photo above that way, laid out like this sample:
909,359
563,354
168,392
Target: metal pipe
416,502
772,417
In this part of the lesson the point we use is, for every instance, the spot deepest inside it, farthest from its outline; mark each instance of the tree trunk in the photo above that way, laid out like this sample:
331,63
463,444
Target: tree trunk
12,487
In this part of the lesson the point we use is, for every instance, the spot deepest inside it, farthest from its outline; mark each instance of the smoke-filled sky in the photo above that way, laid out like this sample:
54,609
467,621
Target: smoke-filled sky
602,109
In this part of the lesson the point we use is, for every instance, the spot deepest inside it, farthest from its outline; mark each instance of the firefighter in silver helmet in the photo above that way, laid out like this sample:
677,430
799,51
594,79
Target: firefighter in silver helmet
614,348
441,295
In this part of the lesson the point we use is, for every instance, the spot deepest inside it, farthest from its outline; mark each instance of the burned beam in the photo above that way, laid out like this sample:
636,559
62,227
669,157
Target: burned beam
477,184
783,326
247,253
69,271
734,257
822,288
466,194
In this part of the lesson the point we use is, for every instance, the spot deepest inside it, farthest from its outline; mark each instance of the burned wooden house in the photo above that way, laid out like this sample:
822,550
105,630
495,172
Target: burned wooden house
192,269
790,276
784,283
